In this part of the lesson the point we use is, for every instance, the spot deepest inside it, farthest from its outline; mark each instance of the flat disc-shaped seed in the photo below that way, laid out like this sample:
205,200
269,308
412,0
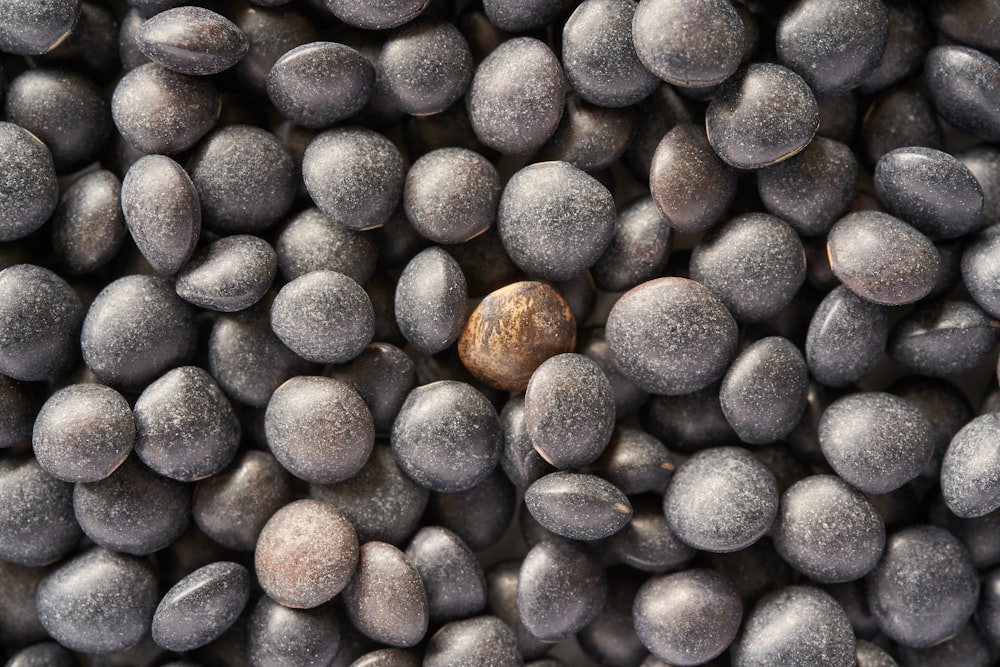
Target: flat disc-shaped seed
479,515
162,211
320,83
277,635
186,428
306,554
971,468
271,33
431,299
964,85
762,115
66,110
40,319
981,269
561,588
134,329
639,249
519,460
598,55
98,602
513,330
37,525
83,432
160,111
846,338
610,638
671,336
755,263
882,259
569,410
133,510
385,598
970,22
690,43
634,461
516,97
129,53
833,46
388,657
230,274
233,506
376,14
871,655
646,543
383,374
796,626
19,405
684,171
555,221
32,28
311,241
721,499
898,118
192,40
578,506
524,15
88,226
354,175
589,137
453,579
247,360
502,602
925,587
690,422
451,195
483,640
27,180
910,37
687,618
946,408
983,161
447,436
201,606
44,654
828,530
425,66
93,43
929,189
319,429
245,177
764,392
324,317
812,189
943,338
875,441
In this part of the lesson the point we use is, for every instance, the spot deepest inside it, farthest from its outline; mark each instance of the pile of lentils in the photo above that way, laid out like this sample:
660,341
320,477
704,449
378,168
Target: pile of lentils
386,333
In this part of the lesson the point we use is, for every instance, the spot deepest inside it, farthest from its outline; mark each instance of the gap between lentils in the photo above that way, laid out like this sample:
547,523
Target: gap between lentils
384,333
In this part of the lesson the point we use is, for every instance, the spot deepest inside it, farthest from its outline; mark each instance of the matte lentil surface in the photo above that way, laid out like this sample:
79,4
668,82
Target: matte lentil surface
499,234
722,499
306,554
822,632
688,43
162,211
99,601
192,40
671,335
